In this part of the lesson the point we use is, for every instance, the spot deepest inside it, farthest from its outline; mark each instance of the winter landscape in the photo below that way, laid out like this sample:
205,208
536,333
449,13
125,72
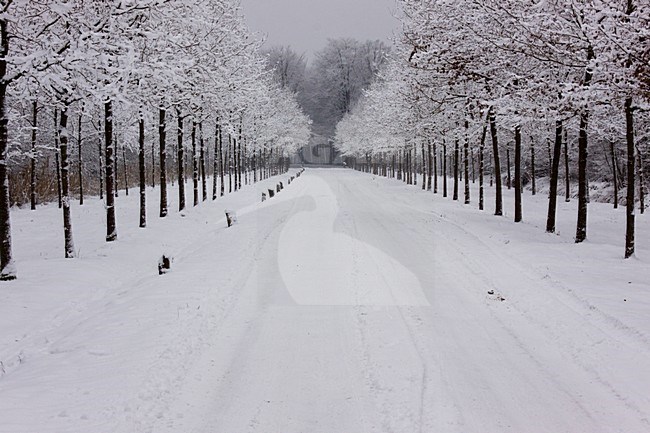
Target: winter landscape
403,216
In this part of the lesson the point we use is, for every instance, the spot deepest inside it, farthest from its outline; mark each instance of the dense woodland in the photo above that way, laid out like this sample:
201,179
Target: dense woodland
98,97
329,86
541,95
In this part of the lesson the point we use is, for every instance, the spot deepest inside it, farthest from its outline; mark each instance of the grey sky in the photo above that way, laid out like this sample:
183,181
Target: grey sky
306,24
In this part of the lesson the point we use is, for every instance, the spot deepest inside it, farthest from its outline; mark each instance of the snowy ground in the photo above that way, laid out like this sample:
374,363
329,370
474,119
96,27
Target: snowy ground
348,303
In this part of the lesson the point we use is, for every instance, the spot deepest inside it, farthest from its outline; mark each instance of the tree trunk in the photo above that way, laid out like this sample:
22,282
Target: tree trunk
532,166
230,162
57,157
80,162
555,171
239,156
641,184
471,154
583,185
204,185
195,167
481,169
518,213
429,167
509,178
456,162
424,169
162,135
614,173
65,182
100,162
126,172
567,178
116,155
550,156
142,172
498,207
215,162
444,168
466,162
435,168
221,161
180,160
32,180
153,164
629,139
111,229
7,267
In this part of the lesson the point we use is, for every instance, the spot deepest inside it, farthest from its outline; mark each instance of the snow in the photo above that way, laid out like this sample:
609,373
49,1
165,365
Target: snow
346,303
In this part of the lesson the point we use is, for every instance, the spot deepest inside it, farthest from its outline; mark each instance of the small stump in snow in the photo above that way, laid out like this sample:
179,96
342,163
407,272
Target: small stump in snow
231,217
164,265
271,193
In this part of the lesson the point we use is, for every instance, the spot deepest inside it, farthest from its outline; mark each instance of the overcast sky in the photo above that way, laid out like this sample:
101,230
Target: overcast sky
307,24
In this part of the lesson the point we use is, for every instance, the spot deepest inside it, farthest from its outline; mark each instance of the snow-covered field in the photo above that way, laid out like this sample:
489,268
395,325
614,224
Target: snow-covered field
348,303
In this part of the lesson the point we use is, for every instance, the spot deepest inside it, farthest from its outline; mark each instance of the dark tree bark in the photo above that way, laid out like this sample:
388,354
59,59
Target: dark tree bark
471,154
583,185
509,177
204,185
481,169
126,171
424,169
498,206
555,171
80,162
456,162
230,162
567,174
65,182
221,161
8,270
550,155
162,135
518,213
491,172
629,139
239,157
215,162
533,175
153,164
100,162
429,166
641,184
180,160
111,229
116,155
435,168
32,180
195,167
466,162
612,150
57,157
142,172
444,168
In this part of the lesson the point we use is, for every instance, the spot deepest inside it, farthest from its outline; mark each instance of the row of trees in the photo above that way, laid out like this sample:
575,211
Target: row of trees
470,76
155,74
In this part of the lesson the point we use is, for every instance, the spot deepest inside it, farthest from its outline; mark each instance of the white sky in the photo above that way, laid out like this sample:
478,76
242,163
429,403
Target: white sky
306,25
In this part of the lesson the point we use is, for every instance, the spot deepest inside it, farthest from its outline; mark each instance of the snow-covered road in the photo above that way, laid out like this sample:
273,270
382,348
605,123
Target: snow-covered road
350,303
